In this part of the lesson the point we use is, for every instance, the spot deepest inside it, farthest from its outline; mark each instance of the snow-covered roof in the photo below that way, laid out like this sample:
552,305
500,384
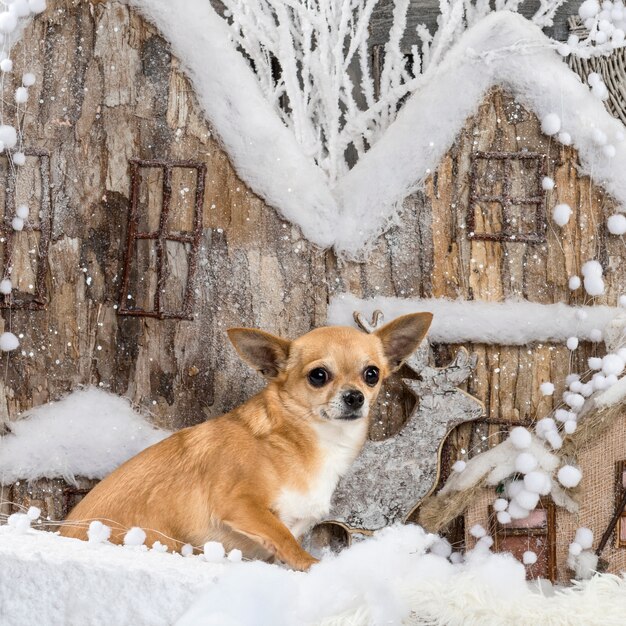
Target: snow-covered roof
88,433
504,49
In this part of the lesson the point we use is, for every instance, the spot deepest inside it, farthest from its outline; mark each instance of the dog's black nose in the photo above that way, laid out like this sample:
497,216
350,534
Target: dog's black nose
354,399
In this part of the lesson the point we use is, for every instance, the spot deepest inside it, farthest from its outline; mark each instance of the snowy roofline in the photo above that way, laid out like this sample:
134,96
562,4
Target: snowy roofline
513,322
503,49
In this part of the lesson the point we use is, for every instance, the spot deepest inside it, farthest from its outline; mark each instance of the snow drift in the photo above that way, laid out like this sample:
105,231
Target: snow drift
88,433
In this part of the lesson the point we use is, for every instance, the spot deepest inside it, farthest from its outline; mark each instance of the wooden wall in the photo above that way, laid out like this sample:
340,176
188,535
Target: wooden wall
108,90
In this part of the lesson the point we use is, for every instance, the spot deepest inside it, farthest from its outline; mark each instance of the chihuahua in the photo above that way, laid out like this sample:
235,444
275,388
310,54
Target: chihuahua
259,477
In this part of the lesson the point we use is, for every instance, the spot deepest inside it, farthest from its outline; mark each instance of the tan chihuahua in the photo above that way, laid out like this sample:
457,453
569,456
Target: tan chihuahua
260,476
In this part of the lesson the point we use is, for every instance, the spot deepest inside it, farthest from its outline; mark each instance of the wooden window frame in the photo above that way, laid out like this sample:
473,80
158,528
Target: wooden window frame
161,236
38,300
505,199
500,531
620,491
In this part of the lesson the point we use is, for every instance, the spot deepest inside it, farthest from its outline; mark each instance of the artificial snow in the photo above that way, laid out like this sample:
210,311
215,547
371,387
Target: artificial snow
513,322
388,579
88,433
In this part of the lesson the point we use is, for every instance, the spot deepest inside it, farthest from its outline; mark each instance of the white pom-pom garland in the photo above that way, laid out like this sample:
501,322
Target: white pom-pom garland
569,476
134,537
561,214
551,124
584,538
529,557
214,552
520,438
477,531
525,462
572,343
459,466
574,283
500,504
547,388
235,556
6,286
8,342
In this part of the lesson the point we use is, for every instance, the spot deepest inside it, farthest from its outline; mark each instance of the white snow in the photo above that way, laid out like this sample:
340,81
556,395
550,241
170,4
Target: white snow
88,433
56,581
513,322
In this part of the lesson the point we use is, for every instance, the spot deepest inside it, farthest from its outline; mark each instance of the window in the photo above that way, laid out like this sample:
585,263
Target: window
621,509
24,254
164,232
535,533
507,200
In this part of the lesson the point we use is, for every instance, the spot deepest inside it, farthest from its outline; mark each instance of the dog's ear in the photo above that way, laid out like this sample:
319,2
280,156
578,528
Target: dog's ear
402,336
267,353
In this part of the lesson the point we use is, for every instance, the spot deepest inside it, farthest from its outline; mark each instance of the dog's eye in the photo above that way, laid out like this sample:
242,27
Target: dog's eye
318,377
371,375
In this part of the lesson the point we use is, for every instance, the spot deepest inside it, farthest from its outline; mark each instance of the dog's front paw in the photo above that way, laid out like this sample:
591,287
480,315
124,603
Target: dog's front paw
304,563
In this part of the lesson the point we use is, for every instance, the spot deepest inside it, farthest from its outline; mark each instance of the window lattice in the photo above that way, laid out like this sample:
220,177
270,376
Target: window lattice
164,233
506,197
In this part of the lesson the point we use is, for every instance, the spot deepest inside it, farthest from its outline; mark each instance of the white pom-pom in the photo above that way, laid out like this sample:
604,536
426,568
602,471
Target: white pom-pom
570,378
157,546
611,379
569,427
459,466
609,150
594,362
21,95
563,49
594,79
529,557
500,505
520,438
6,65
8,136
527,500
214,552
19,521
547,183
441,547
134,537
525,462
612,364
589,8
98,532
584,538
565,139
595,334
591,268
562,415
28,79
22,211
551,124
477,531
485,542
617,224
572,343
18,158
561,214
575,548
554,439
543,426
514,487
574,282
235,556
516,511
575,400
576,386
33,513
569,476
187,550
20,8
504,517
8,342
538,482
37,6
599,381
6,286
17,223
8,22
547,388
594,285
